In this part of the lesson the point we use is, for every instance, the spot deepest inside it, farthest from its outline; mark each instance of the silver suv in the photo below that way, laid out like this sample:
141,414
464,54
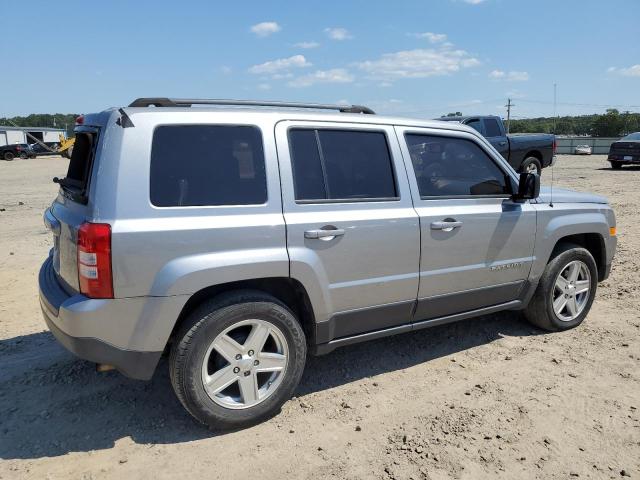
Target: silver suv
237,236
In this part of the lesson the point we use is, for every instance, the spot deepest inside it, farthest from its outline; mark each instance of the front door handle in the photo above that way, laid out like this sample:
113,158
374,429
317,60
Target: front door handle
326,233
445,226
502,144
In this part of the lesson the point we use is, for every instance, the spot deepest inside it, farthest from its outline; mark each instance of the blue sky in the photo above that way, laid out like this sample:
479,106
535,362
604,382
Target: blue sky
413,58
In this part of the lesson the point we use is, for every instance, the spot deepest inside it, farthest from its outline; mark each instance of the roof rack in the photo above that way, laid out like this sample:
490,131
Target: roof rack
188,102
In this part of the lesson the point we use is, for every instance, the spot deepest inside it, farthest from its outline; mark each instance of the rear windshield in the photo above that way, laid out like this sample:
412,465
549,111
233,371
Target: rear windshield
76,183
632,136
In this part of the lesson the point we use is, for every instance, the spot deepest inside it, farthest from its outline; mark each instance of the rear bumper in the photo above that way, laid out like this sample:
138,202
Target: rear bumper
77,321
632,159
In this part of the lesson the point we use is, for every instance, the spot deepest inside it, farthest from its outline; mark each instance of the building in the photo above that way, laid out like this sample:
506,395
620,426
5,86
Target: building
11,135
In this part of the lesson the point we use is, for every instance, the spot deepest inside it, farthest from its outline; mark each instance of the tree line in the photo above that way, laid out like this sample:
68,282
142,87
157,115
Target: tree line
56,120
613,123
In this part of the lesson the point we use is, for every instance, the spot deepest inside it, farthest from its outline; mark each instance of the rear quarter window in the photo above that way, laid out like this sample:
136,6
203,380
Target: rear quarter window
76,184
207,165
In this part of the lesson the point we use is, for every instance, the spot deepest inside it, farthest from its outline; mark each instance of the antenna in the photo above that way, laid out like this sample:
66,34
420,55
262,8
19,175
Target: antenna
553,160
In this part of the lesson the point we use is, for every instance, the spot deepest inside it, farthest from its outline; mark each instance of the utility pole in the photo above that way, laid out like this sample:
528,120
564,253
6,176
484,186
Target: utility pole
555,98
509,105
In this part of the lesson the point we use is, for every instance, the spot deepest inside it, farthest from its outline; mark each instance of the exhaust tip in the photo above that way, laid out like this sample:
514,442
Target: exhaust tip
104,367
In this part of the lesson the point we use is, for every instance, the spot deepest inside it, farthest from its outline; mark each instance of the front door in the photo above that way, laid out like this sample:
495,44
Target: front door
351,227
477,243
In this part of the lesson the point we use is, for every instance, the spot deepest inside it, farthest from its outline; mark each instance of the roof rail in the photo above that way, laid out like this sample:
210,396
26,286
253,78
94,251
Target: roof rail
188,102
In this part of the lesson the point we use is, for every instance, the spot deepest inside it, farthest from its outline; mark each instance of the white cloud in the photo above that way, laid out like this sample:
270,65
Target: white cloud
512,76
307,45
334,75
280,65
632,71
265,29
338,33
432,37
419,63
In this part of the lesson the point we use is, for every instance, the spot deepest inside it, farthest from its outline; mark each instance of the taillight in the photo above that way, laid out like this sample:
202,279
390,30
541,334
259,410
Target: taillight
94,260
555,146
18,148
80,120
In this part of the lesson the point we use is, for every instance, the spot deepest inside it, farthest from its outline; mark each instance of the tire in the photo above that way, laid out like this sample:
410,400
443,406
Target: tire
616,165
24,156
540,310
531,165
8,156
222,318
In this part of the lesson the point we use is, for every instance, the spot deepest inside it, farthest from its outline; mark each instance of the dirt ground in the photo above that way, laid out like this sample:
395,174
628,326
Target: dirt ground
490,397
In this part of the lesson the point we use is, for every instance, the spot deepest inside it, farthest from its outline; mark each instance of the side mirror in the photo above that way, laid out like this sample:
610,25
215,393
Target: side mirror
528,187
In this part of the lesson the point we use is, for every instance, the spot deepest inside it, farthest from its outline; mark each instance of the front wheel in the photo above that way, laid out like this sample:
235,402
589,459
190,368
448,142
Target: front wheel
237,359
565,291
531,165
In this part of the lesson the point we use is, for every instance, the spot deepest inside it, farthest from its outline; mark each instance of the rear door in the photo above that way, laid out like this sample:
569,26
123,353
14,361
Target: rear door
494,132
351,225
477,243
70,209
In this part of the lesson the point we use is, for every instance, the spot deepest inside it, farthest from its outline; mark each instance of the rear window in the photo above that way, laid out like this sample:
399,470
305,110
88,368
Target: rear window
341,165
207,165
76,183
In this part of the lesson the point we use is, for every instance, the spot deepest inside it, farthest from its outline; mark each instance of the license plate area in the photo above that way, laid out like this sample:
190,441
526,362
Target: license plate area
628,157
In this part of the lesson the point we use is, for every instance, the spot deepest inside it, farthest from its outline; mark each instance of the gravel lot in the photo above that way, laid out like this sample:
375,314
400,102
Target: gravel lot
490,397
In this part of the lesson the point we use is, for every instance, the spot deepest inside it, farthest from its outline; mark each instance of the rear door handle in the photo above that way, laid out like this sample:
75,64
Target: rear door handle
446,226
323,233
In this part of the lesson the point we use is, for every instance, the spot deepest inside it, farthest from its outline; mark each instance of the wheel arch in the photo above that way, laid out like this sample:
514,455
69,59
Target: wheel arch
593,242
287,290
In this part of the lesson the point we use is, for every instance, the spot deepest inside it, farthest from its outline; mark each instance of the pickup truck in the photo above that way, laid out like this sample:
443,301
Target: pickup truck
22,150
525,152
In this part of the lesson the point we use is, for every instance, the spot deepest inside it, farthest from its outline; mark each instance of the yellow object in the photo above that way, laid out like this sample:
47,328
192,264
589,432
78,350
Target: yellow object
612,231
66,145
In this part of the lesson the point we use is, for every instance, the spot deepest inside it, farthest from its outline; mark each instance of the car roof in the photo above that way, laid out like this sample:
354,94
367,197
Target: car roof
462,118
283,114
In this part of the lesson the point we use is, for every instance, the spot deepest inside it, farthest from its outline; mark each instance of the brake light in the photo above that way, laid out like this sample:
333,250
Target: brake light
79,119
555,146
94,260
18,148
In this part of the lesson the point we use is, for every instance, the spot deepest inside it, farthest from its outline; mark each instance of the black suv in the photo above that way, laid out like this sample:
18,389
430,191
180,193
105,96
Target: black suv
22,150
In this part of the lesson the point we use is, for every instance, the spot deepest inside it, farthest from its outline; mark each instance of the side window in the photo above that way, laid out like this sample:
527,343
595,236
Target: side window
492,128
449,166
476,124
341,165
198,165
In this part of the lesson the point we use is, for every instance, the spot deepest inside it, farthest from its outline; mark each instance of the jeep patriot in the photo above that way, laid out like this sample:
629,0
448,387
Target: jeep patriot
237,236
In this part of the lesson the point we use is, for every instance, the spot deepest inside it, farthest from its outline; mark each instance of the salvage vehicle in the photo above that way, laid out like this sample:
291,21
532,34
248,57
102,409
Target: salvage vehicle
582,150
625,151
238,236
21,150
530,152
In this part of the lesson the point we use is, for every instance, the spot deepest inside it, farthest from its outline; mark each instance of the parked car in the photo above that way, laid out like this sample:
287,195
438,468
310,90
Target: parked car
625,151
524,152
22,150
42,150
240,239
582,150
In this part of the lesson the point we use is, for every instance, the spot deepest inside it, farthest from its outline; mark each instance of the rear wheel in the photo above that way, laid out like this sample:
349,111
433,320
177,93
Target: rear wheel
8,156
24,156
616,165
237,359
531,165
565,291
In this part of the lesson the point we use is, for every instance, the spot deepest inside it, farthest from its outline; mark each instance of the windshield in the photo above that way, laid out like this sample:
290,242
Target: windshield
632,136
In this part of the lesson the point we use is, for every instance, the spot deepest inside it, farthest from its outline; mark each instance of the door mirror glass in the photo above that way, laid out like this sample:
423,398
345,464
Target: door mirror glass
528,186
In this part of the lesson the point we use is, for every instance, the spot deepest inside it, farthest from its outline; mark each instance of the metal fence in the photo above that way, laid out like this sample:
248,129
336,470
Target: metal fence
599,145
